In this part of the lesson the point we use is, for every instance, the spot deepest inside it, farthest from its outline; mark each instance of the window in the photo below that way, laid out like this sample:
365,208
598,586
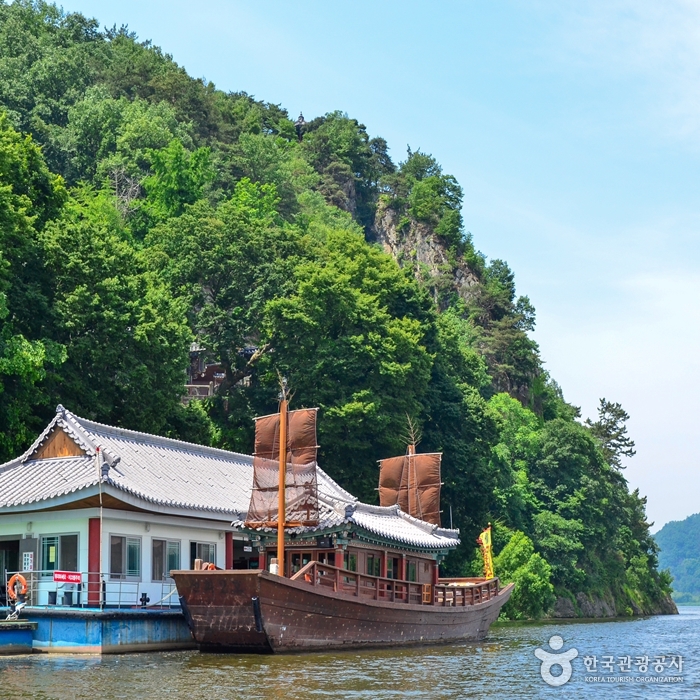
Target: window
298,560
326,558
374,565
412,573
202,550
392,567
350,561
124,557
166,557
59,552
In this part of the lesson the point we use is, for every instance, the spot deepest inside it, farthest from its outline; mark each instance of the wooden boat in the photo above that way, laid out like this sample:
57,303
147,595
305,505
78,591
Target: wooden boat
260,612
361,575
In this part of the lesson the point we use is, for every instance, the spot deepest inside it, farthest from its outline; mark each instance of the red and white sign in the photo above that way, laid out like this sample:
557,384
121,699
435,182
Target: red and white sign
67,576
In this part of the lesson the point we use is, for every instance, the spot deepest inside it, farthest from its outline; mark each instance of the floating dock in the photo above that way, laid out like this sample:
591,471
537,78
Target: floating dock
86,631
16,637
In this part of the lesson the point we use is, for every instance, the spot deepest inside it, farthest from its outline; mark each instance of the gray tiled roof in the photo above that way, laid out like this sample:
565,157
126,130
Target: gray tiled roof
337,507
389,523
155,469
394,524
185,477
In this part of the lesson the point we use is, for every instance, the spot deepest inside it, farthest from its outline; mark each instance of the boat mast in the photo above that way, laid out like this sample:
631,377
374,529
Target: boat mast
411,468
282,480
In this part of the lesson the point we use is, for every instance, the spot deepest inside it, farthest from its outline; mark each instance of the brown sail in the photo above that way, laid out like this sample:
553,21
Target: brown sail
413,482
301,502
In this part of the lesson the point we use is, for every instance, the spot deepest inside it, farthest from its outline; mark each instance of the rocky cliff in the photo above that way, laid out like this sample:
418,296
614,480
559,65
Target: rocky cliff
591,606
415,243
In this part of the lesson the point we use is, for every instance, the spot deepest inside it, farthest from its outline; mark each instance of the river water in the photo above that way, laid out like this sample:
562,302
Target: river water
504,666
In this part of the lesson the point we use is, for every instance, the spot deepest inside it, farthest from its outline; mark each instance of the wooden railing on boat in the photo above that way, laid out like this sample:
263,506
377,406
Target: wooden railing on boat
448,592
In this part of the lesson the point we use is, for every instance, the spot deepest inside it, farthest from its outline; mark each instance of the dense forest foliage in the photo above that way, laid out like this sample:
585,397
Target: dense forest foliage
142,210
679,543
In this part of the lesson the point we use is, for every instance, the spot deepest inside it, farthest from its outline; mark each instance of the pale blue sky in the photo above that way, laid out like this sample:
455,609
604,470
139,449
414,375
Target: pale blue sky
574,129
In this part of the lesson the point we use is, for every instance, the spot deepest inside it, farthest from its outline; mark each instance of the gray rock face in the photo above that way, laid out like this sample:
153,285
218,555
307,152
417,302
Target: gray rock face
564,608
593,607
666,607
416,244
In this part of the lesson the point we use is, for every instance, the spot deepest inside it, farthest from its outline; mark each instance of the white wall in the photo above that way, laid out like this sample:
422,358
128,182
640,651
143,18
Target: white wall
56,523
148,529
145,526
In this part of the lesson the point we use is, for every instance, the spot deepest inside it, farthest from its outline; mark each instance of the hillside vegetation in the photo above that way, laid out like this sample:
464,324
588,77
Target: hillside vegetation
679,543
142,210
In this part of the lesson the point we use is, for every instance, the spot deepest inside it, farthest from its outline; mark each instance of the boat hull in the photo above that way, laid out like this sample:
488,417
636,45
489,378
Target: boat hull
258,612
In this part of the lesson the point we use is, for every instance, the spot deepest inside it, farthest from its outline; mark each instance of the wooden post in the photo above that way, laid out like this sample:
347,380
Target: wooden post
229,550
436,579
402,567
384,571
338,558
281,512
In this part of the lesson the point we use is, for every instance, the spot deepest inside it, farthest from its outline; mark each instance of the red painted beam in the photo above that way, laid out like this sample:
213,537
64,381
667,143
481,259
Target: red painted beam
94,568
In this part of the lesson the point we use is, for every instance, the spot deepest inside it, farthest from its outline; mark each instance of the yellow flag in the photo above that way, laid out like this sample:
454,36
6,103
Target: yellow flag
485,542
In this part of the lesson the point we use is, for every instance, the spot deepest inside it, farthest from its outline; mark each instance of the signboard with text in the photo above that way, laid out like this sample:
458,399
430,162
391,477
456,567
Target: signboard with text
67,576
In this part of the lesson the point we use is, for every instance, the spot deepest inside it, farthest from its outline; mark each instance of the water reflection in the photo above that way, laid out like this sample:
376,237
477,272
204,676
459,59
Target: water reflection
503,666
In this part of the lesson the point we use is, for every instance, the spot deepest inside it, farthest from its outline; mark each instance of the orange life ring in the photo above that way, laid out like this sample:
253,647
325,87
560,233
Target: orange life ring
211,567
11,586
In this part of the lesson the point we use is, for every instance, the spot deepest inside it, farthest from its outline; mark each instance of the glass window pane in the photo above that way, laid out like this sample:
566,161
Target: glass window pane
133,557
68,552
350,561
210,550
49,553
158,560
116,556
173,557
204,551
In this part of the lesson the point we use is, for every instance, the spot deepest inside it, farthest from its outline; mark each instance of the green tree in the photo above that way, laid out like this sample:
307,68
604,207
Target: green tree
29,197
610,430
350,340
178,178
520,564
349,162
125,335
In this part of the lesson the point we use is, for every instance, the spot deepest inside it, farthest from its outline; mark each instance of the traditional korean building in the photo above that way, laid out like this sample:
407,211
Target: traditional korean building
119,509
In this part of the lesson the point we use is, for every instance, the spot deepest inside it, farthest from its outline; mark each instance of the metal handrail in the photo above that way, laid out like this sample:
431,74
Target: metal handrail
95,590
